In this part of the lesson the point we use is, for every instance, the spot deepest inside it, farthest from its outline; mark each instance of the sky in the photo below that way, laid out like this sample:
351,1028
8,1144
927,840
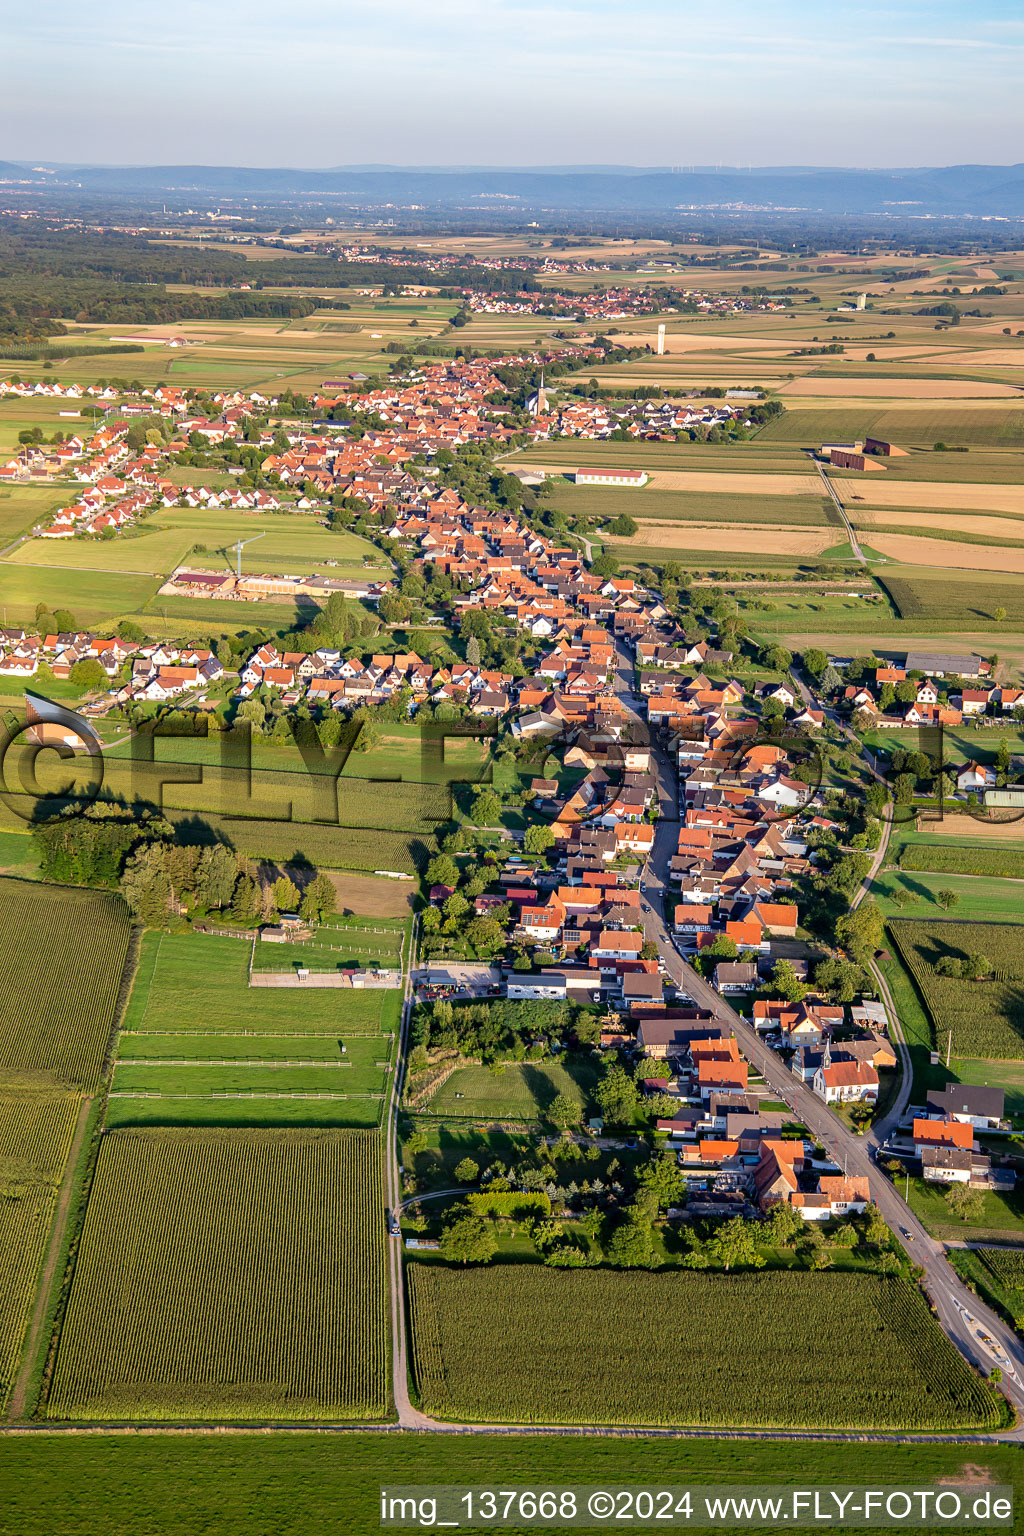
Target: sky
513,82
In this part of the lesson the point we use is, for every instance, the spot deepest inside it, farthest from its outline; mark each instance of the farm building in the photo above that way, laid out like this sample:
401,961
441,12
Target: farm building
634,477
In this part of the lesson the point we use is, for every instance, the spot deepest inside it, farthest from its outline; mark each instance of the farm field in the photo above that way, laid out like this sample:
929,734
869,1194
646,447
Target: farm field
62,956
226,1275
166,539
685,506
22,506
934,594
519,1091
981,898
199,1046
985,1018
94,597
284,794
710,539
743,1349
965,423
191,1485
993,859
37,1122
373,897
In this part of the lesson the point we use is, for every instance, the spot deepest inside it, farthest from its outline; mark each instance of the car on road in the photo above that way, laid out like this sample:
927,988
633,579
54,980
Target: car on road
394,1229
644,906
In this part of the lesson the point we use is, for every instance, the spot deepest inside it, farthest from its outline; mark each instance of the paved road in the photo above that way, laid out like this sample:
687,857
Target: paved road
854,1153
858,553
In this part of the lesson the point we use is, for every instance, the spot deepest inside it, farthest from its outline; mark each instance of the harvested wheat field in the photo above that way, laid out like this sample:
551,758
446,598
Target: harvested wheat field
733,538
700,341
991,527
900,389
944,554
1009,830
929,495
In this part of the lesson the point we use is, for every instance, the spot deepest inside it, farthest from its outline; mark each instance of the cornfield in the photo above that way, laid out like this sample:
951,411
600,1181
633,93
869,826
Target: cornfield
772,1349
62,954
228,1274
36,1127
986,1017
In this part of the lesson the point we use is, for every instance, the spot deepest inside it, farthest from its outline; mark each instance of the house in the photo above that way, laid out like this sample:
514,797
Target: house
975,776
639,989
942,1133
946,1165
846,1082
733,976
968,1103
617,944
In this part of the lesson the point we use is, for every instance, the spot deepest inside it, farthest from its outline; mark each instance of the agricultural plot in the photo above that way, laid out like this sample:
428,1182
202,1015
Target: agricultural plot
226,1275
62,955
94,597
742,1349
164,540
518,1091
36,1127
980,898
960,425
656,505
989,859
984,1018
928,594
201,1047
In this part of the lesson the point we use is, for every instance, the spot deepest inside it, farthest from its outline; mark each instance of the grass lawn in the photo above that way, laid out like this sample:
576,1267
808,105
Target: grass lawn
981,898
191,1485
1008,1075
94,597
516,1091
1002,1216
195,1031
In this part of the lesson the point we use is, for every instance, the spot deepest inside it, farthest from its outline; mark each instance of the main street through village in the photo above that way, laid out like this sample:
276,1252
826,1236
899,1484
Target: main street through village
963,1316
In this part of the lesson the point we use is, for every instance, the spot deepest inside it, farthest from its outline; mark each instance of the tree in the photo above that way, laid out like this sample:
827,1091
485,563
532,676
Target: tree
442,870
783,1225
286,894
862,930
473,651
838,979
947,899
455,906
246,907
616,1094
632,1243
977,965
145,885
467,1172
623,526
486,811
565,1109
319,900
649,950
64,620
88,673
468,1239
215,877
999,615
539,838
965,1202
735,1242
785,983
815,661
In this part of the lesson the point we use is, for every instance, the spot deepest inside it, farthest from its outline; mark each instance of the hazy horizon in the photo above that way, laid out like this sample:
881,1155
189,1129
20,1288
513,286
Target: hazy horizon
913,84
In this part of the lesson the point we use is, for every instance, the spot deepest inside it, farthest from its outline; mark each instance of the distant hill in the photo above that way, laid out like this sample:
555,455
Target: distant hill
978,190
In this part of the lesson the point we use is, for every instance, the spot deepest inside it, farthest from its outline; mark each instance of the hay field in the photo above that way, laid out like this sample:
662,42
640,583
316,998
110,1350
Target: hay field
932,495
732,538
996,527
946,553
